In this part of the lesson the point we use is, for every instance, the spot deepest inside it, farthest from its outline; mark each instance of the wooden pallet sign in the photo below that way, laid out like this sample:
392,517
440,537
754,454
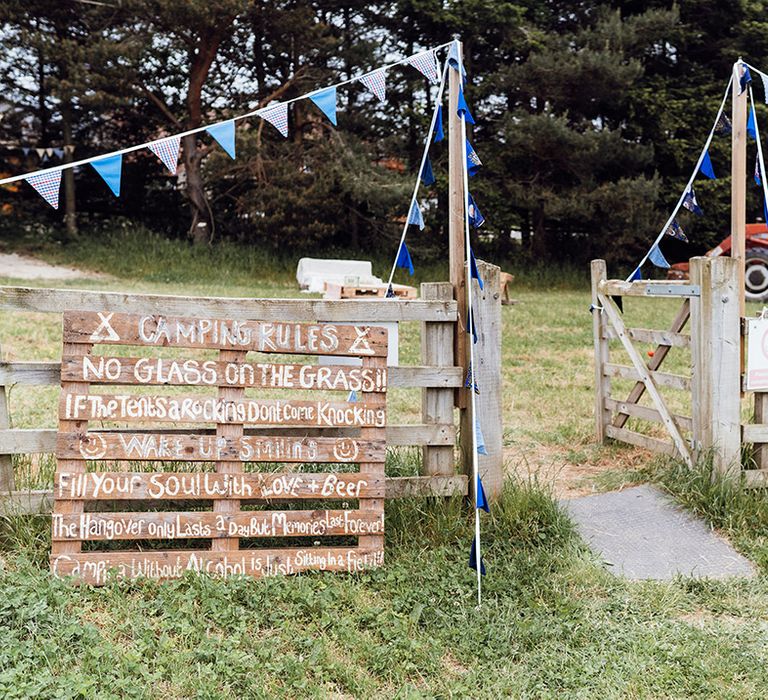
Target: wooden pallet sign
114,427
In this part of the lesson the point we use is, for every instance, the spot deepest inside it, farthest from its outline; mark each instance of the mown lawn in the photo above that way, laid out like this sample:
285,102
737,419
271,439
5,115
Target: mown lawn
553,624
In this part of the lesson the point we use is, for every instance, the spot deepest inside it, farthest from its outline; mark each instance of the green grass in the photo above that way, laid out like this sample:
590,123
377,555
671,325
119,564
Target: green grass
554,623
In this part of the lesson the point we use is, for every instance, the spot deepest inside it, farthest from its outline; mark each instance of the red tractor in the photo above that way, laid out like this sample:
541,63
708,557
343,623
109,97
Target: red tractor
755,263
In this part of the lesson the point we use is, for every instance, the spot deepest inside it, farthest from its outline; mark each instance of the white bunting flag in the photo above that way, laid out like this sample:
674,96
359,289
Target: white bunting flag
277,116
47,186
167,151
376,83
425,63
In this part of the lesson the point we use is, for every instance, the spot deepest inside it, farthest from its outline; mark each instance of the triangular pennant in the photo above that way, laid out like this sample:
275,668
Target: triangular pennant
706,167
390,292
425,63
352,398
657,258
637,275
758,179
167,151
473,160
224,134
723,125
691,203
745,79
110,170
25,150
376,83
751,130
473,559
480,500
47,186
59,152
326,101
453,59
471,326
439,133
277,116
675,230
463,108
40,152
404,258
480,439
49,152
469,382
414,216
475,273
427,175
476,219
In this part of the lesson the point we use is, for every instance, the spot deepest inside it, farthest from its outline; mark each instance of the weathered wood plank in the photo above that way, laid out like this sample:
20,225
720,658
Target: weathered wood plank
280,310
159,486
646,413
204,524
242,334
43,440
755,478
97,568
639,440
436,485
756,433
211,409
179,447
601,351
404,376
646,335
671,381
648,288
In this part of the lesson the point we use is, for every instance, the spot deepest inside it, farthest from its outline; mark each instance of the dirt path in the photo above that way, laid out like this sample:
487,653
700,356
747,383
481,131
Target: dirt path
22,267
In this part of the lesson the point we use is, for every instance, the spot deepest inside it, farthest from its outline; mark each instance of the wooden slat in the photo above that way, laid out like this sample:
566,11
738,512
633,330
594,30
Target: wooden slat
646,413
282,310
178,447
159,486
96,567
650,385
638,440
646,335
755,478
659,355
43,440
672,381
224,334
648,288
40,501
131,408
204,525
755,433
405,376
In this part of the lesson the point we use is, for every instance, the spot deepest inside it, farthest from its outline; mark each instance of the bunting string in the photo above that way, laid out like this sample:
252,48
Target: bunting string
318,94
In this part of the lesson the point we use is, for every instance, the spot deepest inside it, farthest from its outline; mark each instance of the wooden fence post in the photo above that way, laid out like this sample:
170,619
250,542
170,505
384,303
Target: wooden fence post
718,337
488,376
602,382
7,481
437,404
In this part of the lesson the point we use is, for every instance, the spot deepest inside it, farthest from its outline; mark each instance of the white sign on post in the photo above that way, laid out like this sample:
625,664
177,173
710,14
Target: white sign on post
757,354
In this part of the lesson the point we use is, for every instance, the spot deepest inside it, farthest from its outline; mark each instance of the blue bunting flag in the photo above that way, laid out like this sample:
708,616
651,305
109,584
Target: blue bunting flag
469,382
636,275
745,79
657,257
471,326
480,500
414,216
404,258
474,272
723,126
473,160
453,60
390,292
326,101
473,559
427,176
224,134
480,439
675,230
706,167
110,169
751,130
463,109
439,134
691,204
476,219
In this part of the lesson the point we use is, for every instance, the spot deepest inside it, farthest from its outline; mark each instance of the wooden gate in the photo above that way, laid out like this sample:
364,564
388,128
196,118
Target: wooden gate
710,310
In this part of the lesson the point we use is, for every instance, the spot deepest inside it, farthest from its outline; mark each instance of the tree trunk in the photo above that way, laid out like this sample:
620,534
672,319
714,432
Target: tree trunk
541,243
70,212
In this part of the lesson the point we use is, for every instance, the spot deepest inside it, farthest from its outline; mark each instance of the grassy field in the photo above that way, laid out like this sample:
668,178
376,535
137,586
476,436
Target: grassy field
554,623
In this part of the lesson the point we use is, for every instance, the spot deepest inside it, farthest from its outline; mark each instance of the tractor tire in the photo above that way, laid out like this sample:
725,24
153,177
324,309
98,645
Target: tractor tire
756,274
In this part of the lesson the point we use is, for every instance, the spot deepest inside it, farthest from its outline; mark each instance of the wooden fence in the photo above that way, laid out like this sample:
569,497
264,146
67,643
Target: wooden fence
438,375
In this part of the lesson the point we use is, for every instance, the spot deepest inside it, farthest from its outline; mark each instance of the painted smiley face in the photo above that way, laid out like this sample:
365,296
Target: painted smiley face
345,450
93,446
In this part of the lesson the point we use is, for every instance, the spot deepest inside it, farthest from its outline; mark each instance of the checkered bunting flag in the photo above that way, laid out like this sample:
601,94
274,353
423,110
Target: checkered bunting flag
425,64
167,151
277,116
376,83
47,186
